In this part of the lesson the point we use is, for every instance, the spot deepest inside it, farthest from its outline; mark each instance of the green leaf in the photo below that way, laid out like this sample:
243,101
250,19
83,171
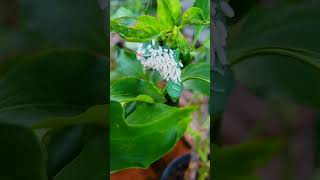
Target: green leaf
240,161
196,77
174,89
144,28
90,164
155,132
194,16
22,156
65,24
122,12
95,115
57,83
134,89
199,71
204,5
62,145
127,65
169,13
286,71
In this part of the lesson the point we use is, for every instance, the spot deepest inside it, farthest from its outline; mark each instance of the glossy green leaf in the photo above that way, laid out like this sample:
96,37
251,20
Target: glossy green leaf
58,83
194,16
91,162
134,89
143,29
281,70
168,13
22,156
174,89
155,132
241,161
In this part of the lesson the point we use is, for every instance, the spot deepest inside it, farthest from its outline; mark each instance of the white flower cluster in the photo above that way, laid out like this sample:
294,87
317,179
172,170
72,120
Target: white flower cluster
161,60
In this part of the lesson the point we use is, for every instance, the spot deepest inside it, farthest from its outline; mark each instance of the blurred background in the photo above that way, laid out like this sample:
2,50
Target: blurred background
269,128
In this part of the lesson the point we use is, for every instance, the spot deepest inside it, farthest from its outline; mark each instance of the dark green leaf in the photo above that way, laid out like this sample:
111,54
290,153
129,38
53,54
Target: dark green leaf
66,24
63,145
90,164
155,132
22,156
94,115
59,83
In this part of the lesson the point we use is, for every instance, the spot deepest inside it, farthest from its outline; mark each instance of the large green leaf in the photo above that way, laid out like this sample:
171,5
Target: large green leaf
293,30
40,25
66,24
152,128
62,145
241,161
58,83
196,77
91,163
143,29
134,89
168,13
22,156
94,115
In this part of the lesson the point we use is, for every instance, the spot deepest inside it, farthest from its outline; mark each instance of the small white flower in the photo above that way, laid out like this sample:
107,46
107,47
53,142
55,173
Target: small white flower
161,60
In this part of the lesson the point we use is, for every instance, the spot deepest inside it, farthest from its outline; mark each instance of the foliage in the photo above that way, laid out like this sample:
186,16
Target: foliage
53,100
145,123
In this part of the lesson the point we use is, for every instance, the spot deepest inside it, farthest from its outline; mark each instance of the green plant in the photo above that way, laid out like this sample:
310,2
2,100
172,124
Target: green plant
146,121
